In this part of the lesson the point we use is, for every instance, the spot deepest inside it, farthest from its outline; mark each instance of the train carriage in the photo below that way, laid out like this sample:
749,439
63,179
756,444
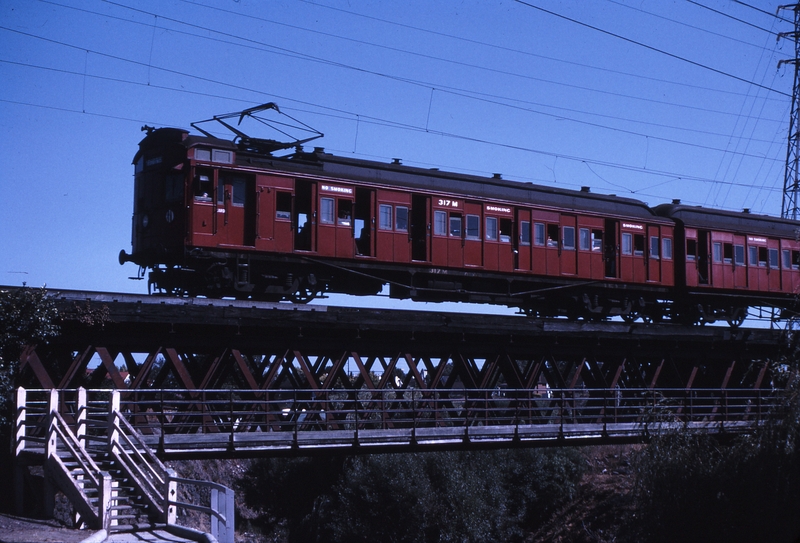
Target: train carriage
221,218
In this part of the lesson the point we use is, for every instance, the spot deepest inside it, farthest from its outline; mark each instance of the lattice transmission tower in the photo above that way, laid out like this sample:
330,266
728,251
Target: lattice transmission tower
791,180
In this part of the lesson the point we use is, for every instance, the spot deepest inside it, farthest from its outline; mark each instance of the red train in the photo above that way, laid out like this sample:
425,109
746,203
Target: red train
222,218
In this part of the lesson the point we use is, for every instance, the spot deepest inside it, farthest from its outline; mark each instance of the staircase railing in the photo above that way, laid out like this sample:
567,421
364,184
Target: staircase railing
63,447
148,474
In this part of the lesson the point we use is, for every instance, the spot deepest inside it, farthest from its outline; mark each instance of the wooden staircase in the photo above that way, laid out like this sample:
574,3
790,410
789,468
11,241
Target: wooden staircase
113,480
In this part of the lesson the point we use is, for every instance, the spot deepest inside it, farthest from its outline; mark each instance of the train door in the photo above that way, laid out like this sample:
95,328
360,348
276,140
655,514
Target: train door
633,257
447,240
757,257
203,211
569,253
420,228
790,264
236,214
274,214
546,243
691,257
522,240
611,249
304,215
590,248
654,254
739,265
363,222
335,221
498,254
703,253
773,265
473,245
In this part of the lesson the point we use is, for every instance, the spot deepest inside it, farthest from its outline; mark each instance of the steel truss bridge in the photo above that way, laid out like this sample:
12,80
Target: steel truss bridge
216,378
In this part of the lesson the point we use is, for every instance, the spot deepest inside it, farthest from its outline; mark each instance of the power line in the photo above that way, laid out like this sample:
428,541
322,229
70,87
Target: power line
650,47
712,10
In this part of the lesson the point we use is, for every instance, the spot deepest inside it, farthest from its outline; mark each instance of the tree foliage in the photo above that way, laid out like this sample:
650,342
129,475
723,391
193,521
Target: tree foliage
442,496
694,488
27,316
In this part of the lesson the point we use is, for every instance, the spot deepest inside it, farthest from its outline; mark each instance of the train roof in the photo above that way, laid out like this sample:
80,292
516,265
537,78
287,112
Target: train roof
742,222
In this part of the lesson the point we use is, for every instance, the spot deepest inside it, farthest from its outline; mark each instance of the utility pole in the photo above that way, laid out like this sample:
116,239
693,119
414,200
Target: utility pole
791,179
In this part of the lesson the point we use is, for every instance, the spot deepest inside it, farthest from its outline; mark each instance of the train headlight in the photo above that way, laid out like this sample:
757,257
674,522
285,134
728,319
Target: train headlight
170,216
145,221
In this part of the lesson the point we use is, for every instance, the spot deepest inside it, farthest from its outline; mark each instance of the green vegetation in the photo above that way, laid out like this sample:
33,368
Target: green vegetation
694,488
444,496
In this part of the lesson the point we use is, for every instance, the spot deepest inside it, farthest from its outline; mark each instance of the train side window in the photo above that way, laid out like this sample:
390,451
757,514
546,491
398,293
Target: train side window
727,253
762,256
627,243
717,251
455,225
597,240
203,185
584,239
796,260
666,248
283,205
474,227
505,230
491,228
385,220
525,233
401,218
569,238
787,259
753,255
440,223
552,235
654,246
638,245
345,212
538,233
326,210
238,190
773,259
738,255
691,249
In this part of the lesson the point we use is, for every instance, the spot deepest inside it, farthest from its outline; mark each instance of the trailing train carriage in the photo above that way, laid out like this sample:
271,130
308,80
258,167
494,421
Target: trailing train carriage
218,219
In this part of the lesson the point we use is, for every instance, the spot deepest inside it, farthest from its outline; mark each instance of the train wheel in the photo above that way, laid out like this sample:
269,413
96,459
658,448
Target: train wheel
736,317
630,317
303,295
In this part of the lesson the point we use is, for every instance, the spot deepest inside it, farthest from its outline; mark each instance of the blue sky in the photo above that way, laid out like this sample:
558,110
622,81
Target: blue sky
651,99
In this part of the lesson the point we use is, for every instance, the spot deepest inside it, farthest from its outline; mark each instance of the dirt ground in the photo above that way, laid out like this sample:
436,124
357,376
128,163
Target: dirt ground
24,530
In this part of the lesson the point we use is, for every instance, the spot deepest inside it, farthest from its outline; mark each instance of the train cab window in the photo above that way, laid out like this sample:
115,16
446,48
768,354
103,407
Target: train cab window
203,185
385,217
505,230
491,228
345,213
326,210
455,225
727,253
584,239
717,251
525,233
738,255
654,246
283,206
753,255
638,245
597,240
569,238
440,223
173,187
538,233
552,235
474,227
773,259
666,248
627,243
237,186
691,249
401,219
